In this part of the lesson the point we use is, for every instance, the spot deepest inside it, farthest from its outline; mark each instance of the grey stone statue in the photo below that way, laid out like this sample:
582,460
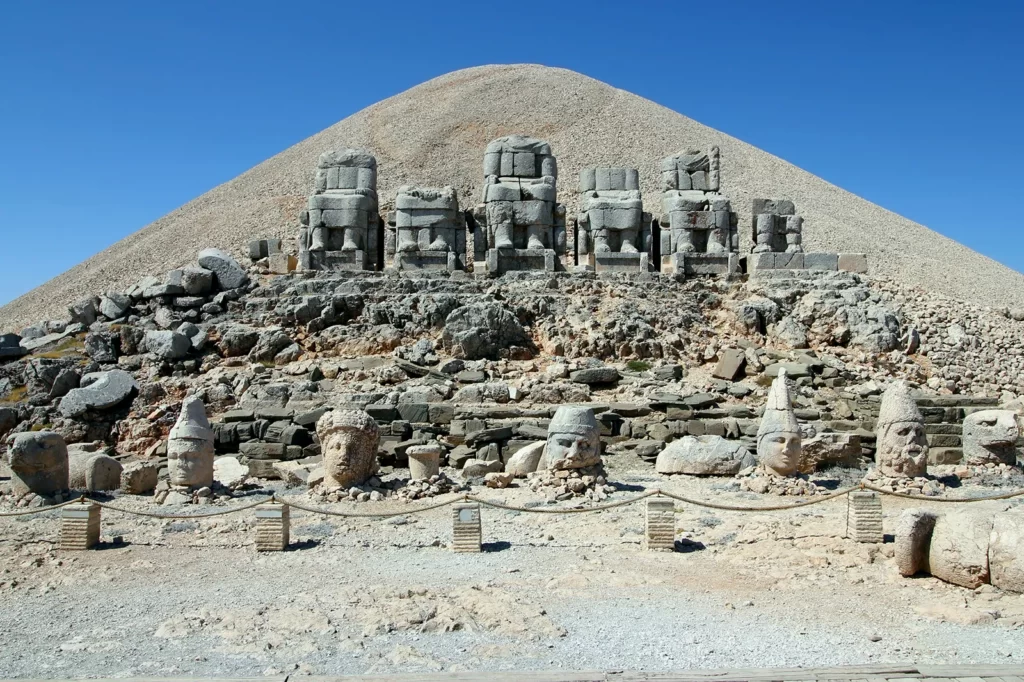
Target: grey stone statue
523,225
426,230
697,217
348,441
612,231
778,436
902,448
574,439
990,437
777,227
340,224
190,451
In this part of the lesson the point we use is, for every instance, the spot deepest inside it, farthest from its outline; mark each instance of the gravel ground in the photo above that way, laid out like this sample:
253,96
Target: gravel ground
569,591
435,134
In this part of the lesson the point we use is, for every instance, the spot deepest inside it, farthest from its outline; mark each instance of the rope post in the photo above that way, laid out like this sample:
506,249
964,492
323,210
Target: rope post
272,527
661,524
864,517
467,535
79,526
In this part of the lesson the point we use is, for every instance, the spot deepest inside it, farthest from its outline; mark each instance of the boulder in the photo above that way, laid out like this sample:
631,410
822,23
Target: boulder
1006,552
101,347
958,552
39,463
526,460
730,365
139,478
114,306
830,450
913,537
100,391
475,468
10,346
482,330
193,281
168,345
704,456
498,479
229,472
8,420
93,471
594,376
83,312
226,270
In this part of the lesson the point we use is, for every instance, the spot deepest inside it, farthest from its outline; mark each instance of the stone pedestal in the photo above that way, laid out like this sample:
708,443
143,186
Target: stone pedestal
500,261
334,260
618,262
692,264
427,260
467,535
272,527
661,525
864,517
79,526
424,461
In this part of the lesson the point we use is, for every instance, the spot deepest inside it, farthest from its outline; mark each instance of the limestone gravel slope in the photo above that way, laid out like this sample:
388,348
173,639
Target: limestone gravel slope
436,132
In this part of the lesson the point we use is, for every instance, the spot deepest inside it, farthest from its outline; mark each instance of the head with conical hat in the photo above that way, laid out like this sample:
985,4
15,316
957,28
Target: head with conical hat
902,448
574,439
778,436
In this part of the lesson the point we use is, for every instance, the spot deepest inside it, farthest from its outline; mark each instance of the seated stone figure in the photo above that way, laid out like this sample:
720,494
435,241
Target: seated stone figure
696,219
426,230
777,227
778,436
611,219
902,448
340,224
523,225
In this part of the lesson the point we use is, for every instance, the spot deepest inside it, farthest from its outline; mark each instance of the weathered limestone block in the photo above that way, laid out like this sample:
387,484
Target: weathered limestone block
424,461
139,478
913,540
703,456
778,436
574,439
989,437
79,527
520,213
694,218
348,440
273,527
826,450
190,449
93,471
339,227
864,517
226,270
777,227
99,391
39,463
958,552
426,231
1006,551
661,525
902,448
526,460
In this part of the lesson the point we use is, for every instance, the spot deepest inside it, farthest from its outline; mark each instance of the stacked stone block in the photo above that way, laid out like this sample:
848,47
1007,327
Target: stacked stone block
698,225
777,227
467,535
661,525
79,526
426,231
522,227
612,231
864,517
340,225
272,527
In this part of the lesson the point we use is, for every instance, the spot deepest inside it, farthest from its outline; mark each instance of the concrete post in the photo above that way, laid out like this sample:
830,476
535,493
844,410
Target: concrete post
272,527
864,516
79,526
467,535
661,524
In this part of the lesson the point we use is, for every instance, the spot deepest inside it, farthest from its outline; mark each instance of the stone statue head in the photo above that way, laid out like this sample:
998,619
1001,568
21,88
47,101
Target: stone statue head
778,437
574,439
348,442
190,446
990,436
902,448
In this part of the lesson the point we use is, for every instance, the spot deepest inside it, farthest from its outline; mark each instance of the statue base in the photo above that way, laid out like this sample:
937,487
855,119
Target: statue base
500,261
692,264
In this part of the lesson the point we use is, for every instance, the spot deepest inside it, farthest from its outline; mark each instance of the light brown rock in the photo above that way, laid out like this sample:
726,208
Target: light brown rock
1006,551
958,552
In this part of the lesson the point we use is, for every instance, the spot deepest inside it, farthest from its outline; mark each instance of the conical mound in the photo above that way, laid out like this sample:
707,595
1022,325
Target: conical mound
436,133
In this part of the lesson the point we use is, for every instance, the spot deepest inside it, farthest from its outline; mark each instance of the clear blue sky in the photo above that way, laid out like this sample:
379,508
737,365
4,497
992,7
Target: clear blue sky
115,113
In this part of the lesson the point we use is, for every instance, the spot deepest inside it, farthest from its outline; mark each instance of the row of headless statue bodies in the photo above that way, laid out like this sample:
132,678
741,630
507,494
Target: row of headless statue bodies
520,225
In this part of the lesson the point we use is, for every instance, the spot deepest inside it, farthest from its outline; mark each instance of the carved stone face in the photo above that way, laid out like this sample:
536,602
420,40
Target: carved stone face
348,440
190,461
902,450
990,437
779,452
574,439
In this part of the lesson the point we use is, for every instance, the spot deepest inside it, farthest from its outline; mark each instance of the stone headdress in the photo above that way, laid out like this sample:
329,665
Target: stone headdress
778,414
192,423
897,406
347,420
576,420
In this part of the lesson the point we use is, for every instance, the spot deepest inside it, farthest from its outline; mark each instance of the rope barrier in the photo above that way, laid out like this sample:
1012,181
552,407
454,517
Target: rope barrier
576,510
926,498
779,507
42,510
151,515
370,515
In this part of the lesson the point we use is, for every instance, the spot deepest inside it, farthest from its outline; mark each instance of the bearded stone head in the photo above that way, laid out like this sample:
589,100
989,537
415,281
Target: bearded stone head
902,447
990,437
778,436
574,439
348,442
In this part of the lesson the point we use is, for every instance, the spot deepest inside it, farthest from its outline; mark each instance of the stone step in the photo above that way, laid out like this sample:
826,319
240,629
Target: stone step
952,429
938,456
943,440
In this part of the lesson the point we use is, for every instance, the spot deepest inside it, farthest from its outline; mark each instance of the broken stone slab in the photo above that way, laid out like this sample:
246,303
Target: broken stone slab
704,456
475,468
731,363
229,472
527,459
227,272
139,478
100,391
794,370
595,376
114,306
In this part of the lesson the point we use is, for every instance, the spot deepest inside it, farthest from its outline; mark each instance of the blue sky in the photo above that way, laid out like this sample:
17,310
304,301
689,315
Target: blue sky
115,113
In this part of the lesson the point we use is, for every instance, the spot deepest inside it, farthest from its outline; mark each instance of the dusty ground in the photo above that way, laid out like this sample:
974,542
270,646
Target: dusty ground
576,591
